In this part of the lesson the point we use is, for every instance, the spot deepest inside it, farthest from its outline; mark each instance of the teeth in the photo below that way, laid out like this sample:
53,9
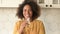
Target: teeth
27,15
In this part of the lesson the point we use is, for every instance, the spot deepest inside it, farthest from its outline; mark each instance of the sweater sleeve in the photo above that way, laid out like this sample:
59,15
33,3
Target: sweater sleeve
16,28
41,28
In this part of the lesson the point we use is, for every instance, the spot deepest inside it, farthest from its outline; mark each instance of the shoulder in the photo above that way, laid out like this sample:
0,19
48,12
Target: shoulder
18,22
38,22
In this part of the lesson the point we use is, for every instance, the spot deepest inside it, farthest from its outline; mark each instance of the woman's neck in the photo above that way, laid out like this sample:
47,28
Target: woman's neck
28,19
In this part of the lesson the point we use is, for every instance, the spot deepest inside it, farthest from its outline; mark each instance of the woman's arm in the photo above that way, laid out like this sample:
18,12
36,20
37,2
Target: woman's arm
19,27
41,29
16,28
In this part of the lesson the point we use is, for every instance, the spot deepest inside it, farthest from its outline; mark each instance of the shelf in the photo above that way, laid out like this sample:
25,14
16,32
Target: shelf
53,6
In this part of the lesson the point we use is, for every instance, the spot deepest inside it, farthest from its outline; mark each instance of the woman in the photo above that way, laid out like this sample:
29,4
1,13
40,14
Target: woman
28,12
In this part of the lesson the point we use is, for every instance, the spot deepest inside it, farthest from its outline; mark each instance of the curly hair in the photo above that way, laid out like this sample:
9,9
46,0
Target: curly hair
34,6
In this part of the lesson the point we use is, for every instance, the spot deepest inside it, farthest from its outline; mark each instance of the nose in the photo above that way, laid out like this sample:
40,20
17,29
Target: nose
27,12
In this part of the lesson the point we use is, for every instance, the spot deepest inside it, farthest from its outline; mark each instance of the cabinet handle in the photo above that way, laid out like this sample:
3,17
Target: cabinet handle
46,5
50,5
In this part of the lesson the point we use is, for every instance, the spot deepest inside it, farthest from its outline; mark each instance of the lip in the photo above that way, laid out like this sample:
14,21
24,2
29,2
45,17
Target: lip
27,16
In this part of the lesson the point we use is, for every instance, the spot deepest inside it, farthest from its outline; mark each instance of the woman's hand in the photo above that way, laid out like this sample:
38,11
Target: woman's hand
24,23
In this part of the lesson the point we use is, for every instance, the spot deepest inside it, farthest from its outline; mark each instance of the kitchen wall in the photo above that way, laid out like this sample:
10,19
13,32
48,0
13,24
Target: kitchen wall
49,16
7,20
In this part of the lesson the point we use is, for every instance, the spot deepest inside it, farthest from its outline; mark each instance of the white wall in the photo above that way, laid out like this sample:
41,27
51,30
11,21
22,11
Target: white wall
50,18
7,20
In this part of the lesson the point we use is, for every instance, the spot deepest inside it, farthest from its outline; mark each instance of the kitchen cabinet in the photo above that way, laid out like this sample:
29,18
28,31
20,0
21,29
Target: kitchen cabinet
0,1
10,3
49,3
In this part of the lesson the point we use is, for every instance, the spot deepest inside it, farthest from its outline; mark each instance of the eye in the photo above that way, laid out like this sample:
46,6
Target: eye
24,10
30,10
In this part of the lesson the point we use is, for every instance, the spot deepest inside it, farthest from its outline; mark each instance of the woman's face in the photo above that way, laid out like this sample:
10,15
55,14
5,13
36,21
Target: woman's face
27,12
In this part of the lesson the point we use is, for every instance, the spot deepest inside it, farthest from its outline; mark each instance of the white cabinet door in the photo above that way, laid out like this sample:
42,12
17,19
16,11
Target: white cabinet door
44,3
53,3
11,3
41,3
56,3
49,3
0,2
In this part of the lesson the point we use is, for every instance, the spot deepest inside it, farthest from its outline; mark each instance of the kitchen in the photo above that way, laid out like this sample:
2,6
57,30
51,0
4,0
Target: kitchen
50,15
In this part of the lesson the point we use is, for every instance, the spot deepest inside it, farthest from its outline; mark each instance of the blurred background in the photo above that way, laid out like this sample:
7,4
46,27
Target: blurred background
50,15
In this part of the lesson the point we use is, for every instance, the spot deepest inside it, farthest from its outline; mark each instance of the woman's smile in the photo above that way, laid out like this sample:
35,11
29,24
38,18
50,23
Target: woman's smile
27,12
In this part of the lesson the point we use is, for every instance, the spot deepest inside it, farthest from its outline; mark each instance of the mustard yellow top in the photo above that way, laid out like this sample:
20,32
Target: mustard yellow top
35,27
